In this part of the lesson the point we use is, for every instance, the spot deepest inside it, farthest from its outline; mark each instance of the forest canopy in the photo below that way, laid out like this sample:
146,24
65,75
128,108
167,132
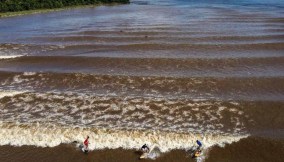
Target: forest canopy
21,5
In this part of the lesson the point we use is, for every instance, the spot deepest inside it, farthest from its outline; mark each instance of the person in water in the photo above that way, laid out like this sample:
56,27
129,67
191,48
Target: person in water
86,144
197,152
145,148
199,145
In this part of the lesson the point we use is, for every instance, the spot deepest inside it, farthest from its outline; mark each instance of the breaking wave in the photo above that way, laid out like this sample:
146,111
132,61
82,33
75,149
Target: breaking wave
43,135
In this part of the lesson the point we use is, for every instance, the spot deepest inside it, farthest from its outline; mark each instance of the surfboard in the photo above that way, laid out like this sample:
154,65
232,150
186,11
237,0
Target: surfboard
144,155
194,154
152,154
83,148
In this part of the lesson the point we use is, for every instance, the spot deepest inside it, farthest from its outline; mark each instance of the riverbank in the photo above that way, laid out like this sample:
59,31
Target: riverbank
38,11
21,13
246,150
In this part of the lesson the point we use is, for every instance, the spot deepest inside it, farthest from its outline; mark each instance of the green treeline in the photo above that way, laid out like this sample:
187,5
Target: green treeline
21,5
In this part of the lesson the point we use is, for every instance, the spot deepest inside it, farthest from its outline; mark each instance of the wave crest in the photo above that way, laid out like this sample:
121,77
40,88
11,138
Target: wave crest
43,135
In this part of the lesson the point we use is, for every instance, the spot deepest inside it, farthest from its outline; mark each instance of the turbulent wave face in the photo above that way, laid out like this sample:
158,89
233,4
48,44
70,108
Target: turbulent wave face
212,71
50,135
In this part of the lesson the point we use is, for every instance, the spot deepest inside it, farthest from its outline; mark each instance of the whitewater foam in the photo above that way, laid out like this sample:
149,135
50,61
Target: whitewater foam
103,111
29,73
9,93
43,135
10,57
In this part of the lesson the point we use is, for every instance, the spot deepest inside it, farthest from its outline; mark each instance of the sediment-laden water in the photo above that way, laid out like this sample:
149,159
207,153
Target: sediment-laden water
164,73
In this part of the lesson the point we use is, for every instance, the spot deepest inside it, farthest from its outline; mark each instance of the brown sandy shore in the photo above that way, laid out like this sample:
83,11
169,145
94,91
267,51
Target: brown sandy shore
246,150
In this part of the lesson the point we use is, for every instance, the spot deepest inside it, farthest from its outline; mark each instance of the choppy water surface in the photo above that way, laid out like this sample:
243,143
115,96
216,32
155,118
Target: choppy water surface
167,72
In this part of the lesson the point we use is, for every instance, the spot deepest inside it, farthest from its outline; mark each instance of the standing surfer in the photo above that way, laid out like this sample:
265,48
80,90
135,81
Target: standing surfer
145,148
145,151
86,144
199,144
197,152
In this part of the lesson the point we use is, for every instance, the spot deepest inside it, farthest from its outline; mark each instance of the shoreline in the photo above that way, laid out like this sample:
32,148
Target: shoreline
40,11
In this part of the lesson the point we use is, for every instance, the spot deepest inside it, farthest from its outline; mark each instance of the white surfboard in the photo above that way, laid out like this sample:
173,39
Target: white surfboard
144,155
83,148
152,154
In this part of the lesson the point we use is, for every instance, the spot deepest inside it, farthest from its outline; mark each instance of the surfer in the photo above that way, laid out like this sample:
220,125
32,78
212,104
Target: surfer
86,144
145,148
199,145
198,150
145,151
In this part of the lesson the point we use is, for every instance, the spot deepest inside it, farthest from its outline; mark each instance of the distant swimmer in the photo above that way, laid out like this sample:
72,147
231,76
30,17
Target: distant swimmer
86,145
145,148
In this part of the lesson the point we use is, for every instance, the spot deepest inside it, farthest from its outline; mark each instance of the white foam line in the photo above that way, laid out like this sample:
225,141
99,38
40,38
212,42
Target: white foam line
10,57
50,135
10,93
29,73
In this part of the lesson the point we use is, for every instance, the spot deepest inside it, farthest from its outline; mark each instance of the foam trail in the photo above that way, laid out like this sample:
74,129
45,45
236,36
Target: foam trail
50,135
10,57
10,93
